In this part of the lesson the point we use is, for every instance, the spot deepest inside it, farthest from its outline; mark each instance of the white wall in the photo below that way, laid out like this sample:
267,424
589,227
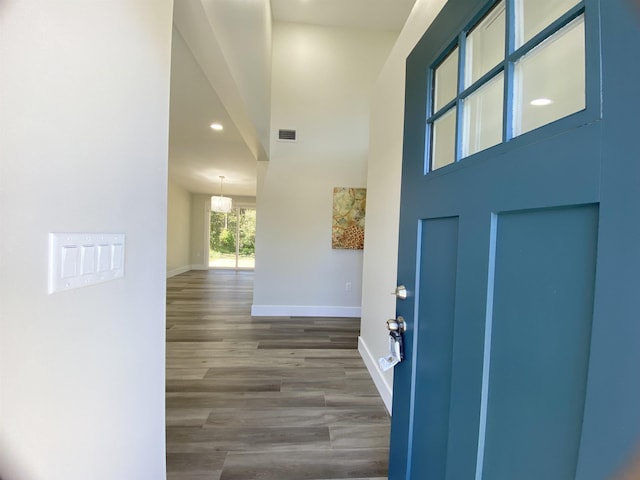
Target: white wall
83,132
178,230
321,86
200,211
383,196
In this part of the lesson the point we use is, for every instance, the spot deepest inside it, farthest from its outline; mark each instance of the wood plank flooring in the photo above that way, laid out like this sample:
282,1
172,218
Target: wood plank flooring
265,398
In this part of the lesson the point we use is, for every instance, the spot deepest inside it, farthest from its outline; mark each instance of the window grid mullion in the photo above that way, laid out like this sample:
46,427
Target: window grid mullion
547,32
462,55
486,78
428,134
509,86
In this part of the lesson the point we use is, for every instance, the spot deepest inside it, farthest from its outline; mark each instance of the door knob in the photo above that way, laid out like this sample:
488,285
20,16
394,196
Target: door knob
400,292
396,325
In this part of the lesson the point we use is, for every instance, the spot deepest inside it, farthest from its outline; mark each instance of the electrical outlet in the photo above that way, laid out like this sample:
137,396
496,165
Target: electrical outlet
347,287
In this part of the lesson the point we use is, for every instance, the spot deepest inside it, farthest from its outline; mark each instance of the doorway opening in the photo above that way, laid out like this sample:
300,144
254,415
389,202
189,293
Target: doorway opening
232,239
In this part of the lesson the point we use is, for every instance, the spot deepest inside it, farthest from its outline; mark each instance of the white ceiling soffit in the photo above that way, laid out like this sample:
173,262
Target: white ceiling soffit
243,33
198,155
377,14
202,92
190,18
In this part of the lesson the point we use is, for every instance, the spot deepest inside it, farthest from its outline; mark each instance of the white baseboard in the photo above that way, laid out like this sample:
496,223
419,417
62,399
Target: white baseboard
199,267
303,311
178,271
384,389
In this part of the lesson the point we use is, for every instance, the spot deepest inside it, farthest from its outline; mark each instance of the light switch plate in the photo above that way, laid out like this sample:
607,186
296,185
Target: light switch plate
81,259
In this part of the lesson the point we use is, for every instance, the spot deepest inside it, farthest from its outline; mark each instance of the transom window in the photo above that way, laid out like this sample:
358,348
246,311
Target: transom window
519,67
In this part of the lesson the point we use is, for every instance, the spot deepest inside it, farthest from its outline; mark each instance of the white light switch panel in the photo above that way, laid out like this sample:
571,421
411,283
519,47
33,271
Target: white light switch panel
82,259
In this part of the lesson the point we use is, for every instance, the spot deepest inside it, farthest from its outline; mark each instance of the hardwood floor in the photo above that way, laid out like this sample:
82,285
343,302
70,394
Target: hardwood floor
265,398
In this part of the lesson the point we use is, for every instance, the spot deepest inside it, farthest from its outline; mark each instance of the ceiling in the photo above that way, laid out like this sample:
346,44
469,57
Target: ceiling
197,154
382,14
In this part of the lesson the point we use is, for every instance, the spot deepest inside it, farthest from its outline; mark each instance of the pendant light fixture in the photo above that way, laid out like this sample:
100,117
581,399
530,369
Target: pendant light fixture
221,204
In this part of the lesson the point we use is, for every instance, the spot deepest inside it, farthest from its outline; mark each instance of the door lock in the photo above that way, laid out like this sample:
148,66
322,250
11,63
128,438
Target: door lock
400,292
396,327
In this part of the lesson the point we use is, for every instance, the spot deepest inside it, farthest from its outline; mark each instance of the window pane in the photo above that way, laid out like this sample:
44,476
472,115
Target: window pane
532,16
485,45
247,238
550,80
446,80
483,116
222,239
443,142
232,238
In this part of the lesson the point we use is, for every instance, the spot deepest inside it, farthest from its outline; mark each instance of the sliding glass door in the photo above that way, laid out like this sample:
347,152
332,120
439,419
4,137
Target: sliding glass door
232,238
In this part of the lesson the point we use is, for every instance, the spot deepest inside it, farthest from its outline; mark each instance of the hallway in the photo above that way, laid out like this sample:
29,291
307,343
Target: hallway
265,398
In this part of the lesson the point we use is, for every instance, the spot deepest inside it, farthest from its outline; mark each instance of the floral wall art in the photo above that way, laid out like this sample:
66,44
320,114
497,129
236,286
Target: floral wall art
349,206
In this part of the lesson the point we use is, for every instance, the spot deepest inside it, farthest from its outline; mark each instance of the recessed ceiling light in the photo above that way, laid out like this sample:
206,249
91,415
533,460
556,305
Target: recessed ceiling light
216,126
541,102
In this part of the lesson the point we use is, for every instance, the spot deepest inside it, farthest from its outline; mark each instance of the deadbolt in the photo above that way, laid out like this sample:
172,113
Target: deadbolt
401,292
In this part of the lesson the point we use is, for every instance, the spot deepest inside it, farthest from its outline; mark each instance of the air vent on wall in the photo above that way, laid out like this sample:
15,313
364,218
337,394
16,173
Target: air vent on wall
286,135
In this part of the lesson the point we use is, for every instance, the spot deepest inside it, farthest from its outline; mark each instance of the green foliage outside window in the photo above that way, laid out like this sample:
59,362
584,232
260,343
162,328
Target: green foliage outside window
223,229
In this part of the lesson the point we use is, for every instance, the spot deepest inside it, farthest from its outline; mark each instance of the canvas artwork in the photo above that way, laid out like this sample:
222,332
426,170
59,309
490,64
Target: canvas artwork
349,206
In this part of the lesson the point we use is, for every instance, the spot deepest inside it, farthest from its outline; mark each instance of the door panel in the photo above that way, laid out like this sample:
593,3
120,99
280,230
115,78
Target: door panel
438,265
540,334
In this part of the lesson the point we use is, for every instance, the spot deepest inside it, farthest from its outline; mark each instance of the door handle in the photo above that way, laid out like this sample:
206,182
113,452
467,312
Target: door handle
397,325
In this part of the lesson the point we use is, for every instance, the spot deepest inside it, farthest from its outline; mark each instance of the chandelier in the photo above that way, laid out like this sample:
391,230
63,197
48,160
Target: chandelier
221,204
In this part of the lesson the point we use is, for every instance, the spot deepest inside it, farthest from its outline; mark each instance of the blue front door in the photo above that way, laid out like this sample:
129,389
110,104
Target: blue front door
520,248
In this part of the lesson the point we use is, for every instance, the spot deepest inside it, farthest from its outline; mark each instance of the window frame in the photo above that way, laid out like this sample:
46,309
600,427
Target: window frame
593,103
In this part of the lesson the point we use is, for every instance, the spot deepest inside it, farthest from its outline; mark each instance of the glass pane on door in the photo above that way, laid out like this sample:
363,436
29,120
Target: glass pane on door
550,80
232,239
246,238
443,141
483,117
532,16
485,45
445,86
222,239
